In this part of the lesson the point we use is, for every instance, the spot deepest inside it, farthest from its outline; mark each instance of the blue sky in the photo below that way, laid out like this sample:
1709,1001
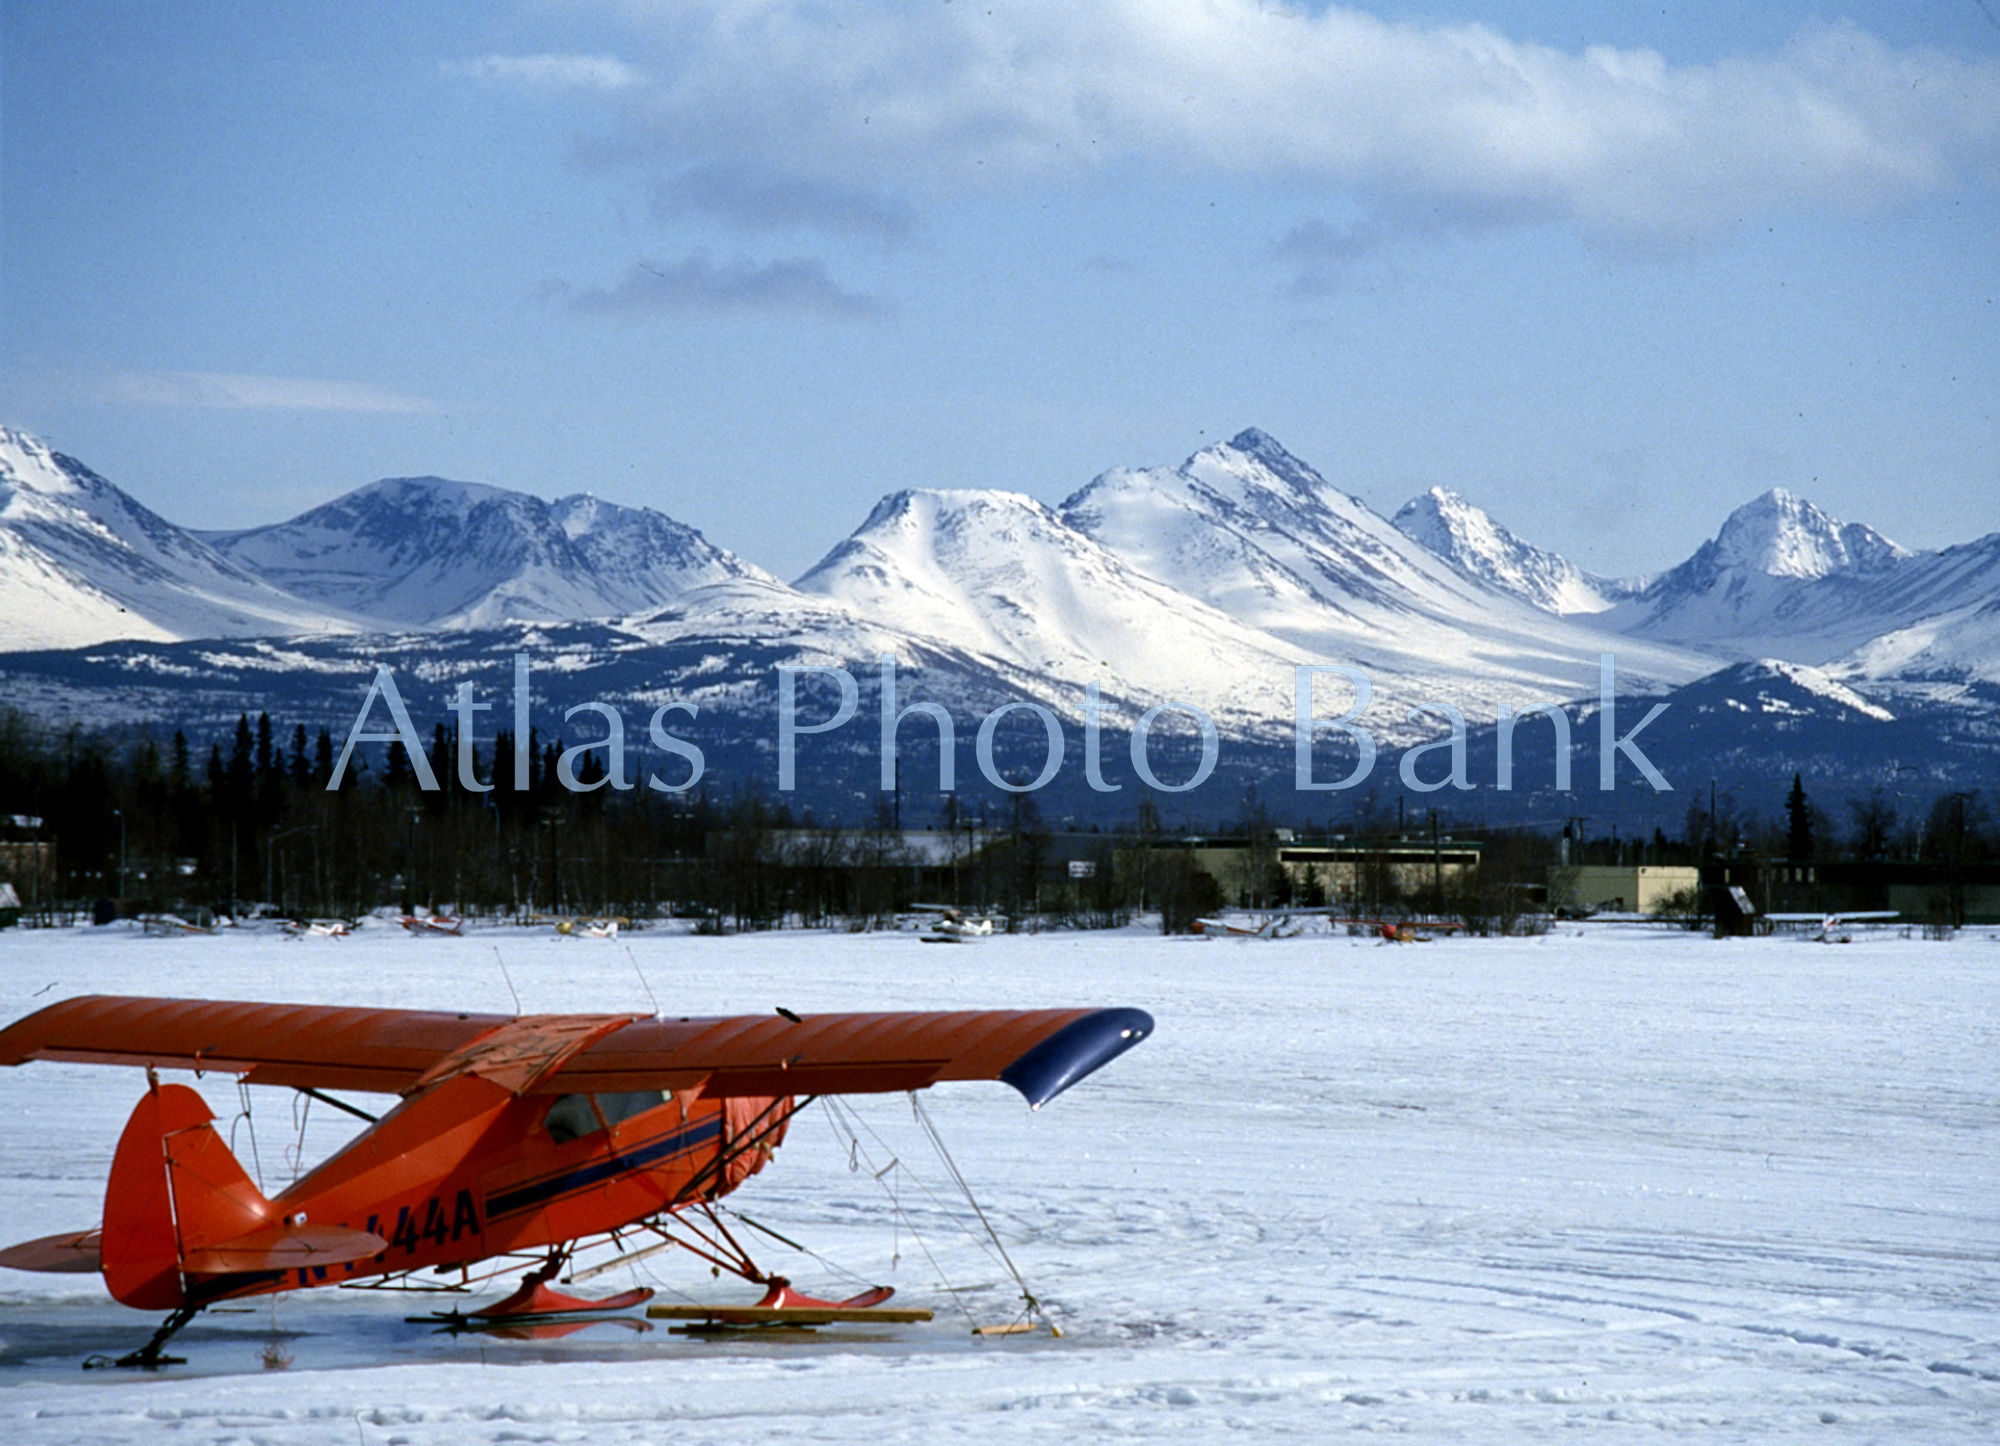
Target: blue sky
1608,271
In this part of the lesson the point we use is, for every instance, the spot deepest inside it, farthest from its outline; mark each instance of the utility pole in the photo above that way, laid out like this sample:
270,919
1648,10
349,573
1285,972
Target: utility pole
1437,865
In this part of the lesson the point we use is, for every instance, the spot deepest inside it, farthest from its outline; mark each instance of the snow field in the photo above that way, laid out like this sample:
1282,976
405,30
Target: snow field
1602,1181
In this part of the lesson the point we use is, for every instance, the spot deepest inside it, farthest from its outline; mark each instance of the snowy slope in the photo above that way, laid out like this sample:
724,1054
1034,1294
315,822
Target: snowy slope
1961,644
720,645
999,574
44,605
428,552
82,562
1774,687
1261,536
1471,541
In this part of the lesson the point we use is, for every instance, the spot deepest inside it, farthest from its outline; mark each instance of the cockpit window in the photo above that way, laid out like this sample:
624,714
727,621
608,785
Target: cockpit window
571,1116
619,1108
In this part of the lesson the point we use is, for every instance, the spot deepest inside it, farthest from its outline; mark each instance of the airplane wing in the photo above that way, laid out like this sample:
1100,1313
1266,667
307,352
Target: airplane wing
1040,1052
394,1051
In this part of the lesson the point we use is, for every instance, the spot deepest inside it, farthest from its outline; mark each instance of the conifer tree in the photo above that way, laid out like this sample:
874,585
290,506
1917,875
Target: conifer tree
1798,823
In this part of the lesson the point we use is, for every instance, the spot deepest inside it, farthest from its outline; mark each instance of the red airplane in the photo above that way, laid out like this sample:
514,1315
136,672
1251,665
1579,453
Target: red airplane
514,1137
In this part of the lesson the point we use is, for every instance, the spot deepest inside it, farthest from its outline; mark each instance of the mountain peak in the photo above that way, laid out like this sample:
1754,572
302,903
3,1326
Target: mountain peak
921,509
1252,452
1471,541
429,551
1780,575
431,495
1781,534
27,465
84,563
1261,444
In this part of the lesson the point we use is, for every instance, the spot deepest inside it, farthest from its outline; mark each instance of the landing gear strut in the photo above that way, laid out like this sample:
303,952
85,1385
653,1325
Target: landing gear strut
148,1357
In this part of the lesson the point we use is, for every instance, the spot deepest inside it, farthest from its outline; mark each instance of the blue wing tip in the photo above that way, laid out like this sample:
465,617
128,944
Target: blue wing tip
1077,1049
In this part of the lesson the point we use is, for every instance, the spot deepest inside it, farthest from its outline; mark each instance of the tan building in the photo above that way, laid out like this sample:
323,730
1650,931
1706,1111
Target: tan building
1621,888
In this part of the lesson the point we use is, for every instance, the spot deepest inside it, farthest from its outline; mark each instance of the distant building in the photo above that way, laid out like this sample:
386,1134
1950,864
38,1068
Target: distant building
1923,891
1621,888
1342,869
1335,871
29,865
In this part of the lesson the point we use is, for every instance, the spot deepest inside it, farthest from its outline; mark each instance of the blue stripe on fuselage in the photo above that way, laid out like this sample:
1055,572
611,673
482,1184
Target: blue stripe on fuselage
597,1171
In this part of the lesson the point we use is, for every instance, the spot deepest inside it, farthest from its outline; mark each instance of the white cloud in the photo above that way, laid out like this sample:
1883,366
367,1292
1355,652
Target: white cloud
942,98
698,286
225,391
548,72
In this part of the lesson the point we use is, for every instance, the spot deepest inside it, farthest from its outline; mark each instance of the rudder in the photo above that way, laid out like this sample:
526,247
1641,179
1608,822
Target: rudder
175,1188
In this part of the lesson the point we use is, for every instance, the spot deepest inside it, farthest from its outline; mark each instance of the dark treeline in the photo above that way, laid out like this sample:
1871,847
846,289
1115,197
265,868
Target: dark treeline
228,823
246,820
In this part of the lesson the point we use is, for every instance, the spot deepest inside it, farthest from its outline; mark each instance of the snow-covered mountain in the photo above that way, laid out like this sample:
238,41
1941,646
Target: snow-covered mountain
1759,575
999,574
1471,541
427,552
1783,535
1259,535
1208,583
1781,578
80,561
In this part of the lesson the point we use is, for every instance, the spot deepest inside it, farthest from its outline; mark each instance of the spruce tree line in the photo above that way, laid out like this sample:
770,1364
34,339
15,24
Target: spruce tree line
140,828
246,822
252,824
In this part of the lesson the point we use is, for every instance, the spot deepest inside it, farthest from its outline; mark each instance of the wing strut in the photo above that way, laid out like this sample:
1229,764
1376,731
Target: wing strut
310,1093
1031,1307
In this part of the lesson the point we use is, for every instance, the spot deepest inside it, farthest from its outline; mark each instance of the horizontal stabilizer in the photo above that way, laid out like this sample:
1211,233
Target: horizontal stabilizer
284,1247
73,1251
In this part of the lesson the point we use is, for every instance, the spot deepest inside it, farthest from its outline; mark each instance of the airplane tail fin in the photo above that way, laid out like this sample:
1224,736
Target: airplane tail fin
175,1191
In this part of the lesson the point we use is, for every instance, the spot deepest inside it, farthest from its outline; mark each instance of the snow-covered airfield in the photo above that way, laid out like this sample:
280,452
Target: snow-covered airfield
1476,1190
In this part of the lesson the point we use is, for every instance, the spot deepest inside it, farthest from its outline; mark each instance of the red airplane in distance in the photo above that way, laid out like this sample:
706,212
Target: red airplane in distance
520,1138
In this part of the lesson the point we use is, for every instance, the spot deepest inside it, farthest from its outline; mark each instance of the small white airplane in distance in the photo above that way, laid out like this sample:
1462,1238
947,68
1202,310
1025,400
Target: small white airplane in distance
1832,927
949,924
315,929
